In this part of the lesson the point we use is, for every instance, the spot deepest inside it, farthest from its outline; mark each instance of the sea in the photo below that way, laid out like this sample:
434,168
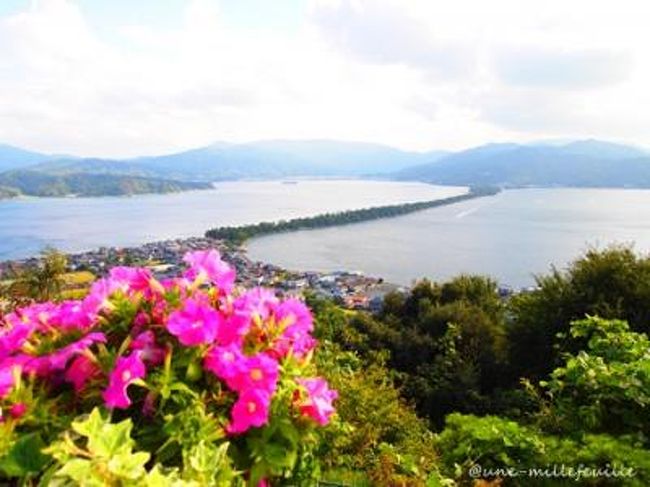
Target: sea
512,236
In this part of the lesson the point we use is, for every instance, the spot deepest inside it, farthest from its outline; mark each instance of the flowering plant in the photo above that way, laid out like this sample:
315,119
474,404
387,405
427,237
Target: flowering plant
210,384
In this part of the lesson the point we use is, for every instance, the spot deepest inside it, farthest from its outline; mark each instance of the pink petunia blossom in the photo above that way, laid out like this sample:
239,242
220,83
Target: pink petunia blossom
40,316
47,364
7,377
259,301
257,372
101,290
133,279
236,325
150,351
10,370
196,323
207,265
80,371
294,313
126,371
224,362
318,402
73,315
251,409
296,320
256,304
13,336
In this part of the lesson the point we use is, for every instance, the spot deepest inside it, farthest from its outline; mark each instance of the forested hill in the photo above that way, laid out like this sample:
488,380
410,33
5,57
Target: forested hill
33,183
579,164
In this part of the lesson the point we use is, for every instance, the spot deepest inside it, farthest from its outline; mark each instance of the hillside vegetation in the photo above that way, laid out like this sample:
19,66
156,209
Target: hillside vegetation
33,183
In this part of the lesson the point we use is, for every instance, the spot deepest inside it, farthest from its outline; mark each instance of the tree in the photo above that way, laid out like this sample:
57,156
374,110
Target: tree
612,283
42,282
447,340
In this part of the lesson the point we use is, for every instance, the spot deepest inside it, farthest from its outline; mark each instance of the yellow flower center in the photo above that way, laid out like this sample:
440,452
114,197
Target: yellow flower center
251,407
256,374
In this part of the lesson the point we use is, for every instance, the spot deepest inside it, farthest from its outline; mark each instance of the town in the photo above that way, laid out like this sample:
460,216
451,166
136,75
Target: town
352,290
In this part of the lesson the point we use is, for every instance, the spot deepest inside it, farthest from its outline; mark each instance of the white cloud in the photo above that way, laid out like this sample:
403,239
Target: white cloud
416,74
386,33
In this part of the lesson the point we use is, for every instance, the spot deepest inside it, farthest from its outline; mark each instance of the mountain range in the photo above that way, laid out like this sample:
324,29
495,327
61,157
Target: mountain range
264,159
588,163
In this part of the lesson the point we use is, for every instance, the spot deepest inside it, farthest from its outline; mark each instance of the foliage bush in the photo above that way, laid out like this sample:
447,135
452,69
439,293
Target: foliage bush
498,444
593,412
186,381
606,387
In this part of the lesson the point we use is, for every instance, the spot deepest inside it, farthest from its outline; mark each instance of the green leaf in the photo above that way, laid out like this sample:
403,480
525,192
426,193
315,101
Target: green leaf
113,439
91,426
129,465
279,456
25,457
80,470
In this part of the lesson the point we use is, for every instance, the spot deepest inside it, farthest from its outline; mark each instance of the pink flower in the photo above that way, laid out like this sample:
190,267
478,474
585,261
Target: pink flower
10,370
59,359
251,409
224,361
318,402
47,364
294,313
127,370
150,352
254,305
40,316
179,284
7,376
258,302
13,336
207,264
141,320
134,279
73,315
236,326
101,290
81,370
17,410
195,324
296,320
258,372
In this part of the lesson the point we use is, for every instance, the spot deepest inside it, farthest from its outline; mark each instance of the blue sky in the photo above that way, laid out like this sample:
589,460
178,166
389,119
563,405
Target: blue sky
124,77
